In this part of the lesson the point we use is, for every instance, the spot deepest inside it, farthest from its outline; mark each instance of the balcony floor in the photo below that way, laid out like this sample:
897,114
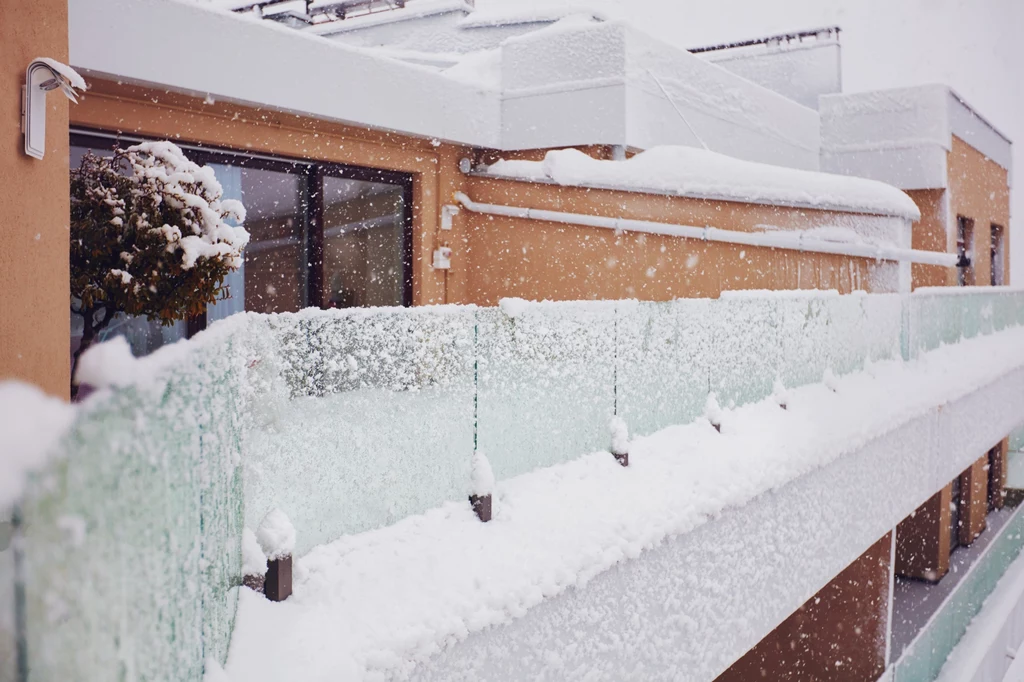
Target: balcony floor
914,601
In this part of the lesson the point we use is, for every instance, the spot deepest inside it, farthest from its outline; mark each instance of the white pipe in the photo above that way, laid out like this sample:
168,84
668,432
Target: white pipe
778,240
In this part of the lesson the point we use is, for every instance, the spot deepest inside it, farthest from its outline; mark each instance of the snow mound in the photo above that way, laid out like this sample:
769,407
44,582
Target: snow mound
686,171
108,364
276,535
620,436
713,411
513,307
779,393
482,477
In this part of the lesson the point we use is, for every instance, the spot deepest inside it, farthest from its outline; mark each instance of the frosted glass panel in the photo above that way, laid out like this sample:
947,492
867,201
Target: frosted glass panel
545,383
745,352
132,541
359,418
662,362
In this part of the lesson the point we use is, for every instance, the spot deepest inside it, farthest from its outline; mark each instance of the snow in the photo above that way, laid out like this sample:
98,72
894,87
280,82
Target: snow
107,364
162,169
620,436
480,69
482,477
686,171
830,380
513,307
33,424
213,672
376,605
713,411
276,535
504,13
254,561
781,395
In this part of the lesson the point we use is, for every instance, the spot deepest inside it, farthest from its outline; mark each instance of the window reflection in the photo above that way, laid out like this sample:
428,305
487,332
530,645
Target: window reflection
364,243
273,278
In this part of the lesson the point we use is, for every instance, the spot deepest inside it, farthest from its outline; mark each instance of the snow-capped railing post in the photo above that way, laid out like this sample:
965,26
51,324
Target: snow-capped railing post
481,487
277,538
620,440
713,412
779,394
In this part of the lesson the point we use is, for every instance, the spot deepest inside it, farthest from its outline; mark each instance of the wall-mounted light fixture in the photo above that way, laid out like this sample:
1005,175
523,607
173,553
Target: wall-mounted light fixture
41,76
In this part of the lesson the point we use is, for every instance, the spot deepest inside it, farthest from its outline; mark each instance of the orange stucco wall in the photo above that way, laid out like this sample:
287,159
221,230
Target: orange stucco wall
931,234
537,260
34,207
979,190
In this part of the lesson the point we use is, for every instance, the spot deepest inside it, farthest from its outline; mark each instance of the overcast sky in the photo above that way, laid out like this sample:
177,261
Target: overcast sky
976,46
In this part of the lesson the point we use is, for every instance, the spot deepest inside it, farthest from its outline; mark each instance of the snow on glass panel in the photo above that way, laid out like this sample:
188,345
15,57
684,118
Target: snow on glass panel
546,376
131,541
358,418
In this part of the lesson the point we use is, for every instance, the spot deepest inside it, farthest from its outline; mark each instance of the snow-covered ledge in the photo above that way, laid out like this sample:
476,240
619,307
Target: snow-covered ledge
681,562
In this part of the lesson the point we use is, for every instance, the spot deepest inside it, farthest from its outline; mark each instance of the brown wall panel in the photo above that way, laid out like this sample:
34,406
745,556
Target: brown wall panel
973,500
922,539
34,207
838,634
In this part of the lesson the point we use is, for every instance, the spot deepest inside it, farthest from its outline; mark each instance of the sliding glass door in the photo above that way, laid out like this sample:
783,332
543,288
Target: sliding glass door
365,239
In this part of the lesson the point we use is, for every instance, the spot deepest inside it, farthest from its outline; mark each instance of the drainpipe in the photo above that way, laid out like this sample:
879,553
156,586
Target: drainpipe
793,241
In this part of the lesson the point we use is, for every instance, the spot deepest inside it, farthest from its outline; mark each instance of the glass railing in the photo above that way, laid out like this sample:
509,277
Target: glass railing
351,420
925,656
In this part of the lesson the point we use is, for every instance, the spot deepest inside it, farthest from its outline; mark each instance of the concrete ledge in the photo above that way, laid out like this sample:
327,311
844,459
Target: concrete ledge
690,608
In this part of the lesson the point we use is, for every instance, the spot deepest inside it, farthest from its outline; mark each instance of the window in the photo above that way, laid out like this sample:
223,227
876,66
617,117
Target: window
321,234
365,242
965,251
998,252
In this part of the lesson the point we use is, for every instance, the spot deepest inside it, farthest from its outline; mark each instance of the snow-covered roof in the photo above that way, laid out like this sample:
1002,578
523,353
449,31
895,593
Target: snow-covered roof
574,82
685,171
902,136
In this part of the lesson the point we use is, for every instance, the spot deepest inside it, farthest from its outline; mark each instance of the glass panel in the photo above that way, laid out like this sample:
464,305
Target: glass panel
364,243
131,541
360,419
546,383
230,178
663,352
276,263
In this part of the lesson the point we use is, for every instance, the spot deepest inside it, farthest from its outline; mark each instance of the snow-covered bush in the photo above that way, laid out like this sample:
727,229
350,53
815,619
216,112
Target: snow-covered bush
149,236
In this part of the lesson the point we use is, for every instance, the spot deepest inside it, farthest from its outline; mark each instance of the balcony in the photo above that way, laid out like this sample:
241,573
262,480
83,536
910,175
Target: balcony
361,425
